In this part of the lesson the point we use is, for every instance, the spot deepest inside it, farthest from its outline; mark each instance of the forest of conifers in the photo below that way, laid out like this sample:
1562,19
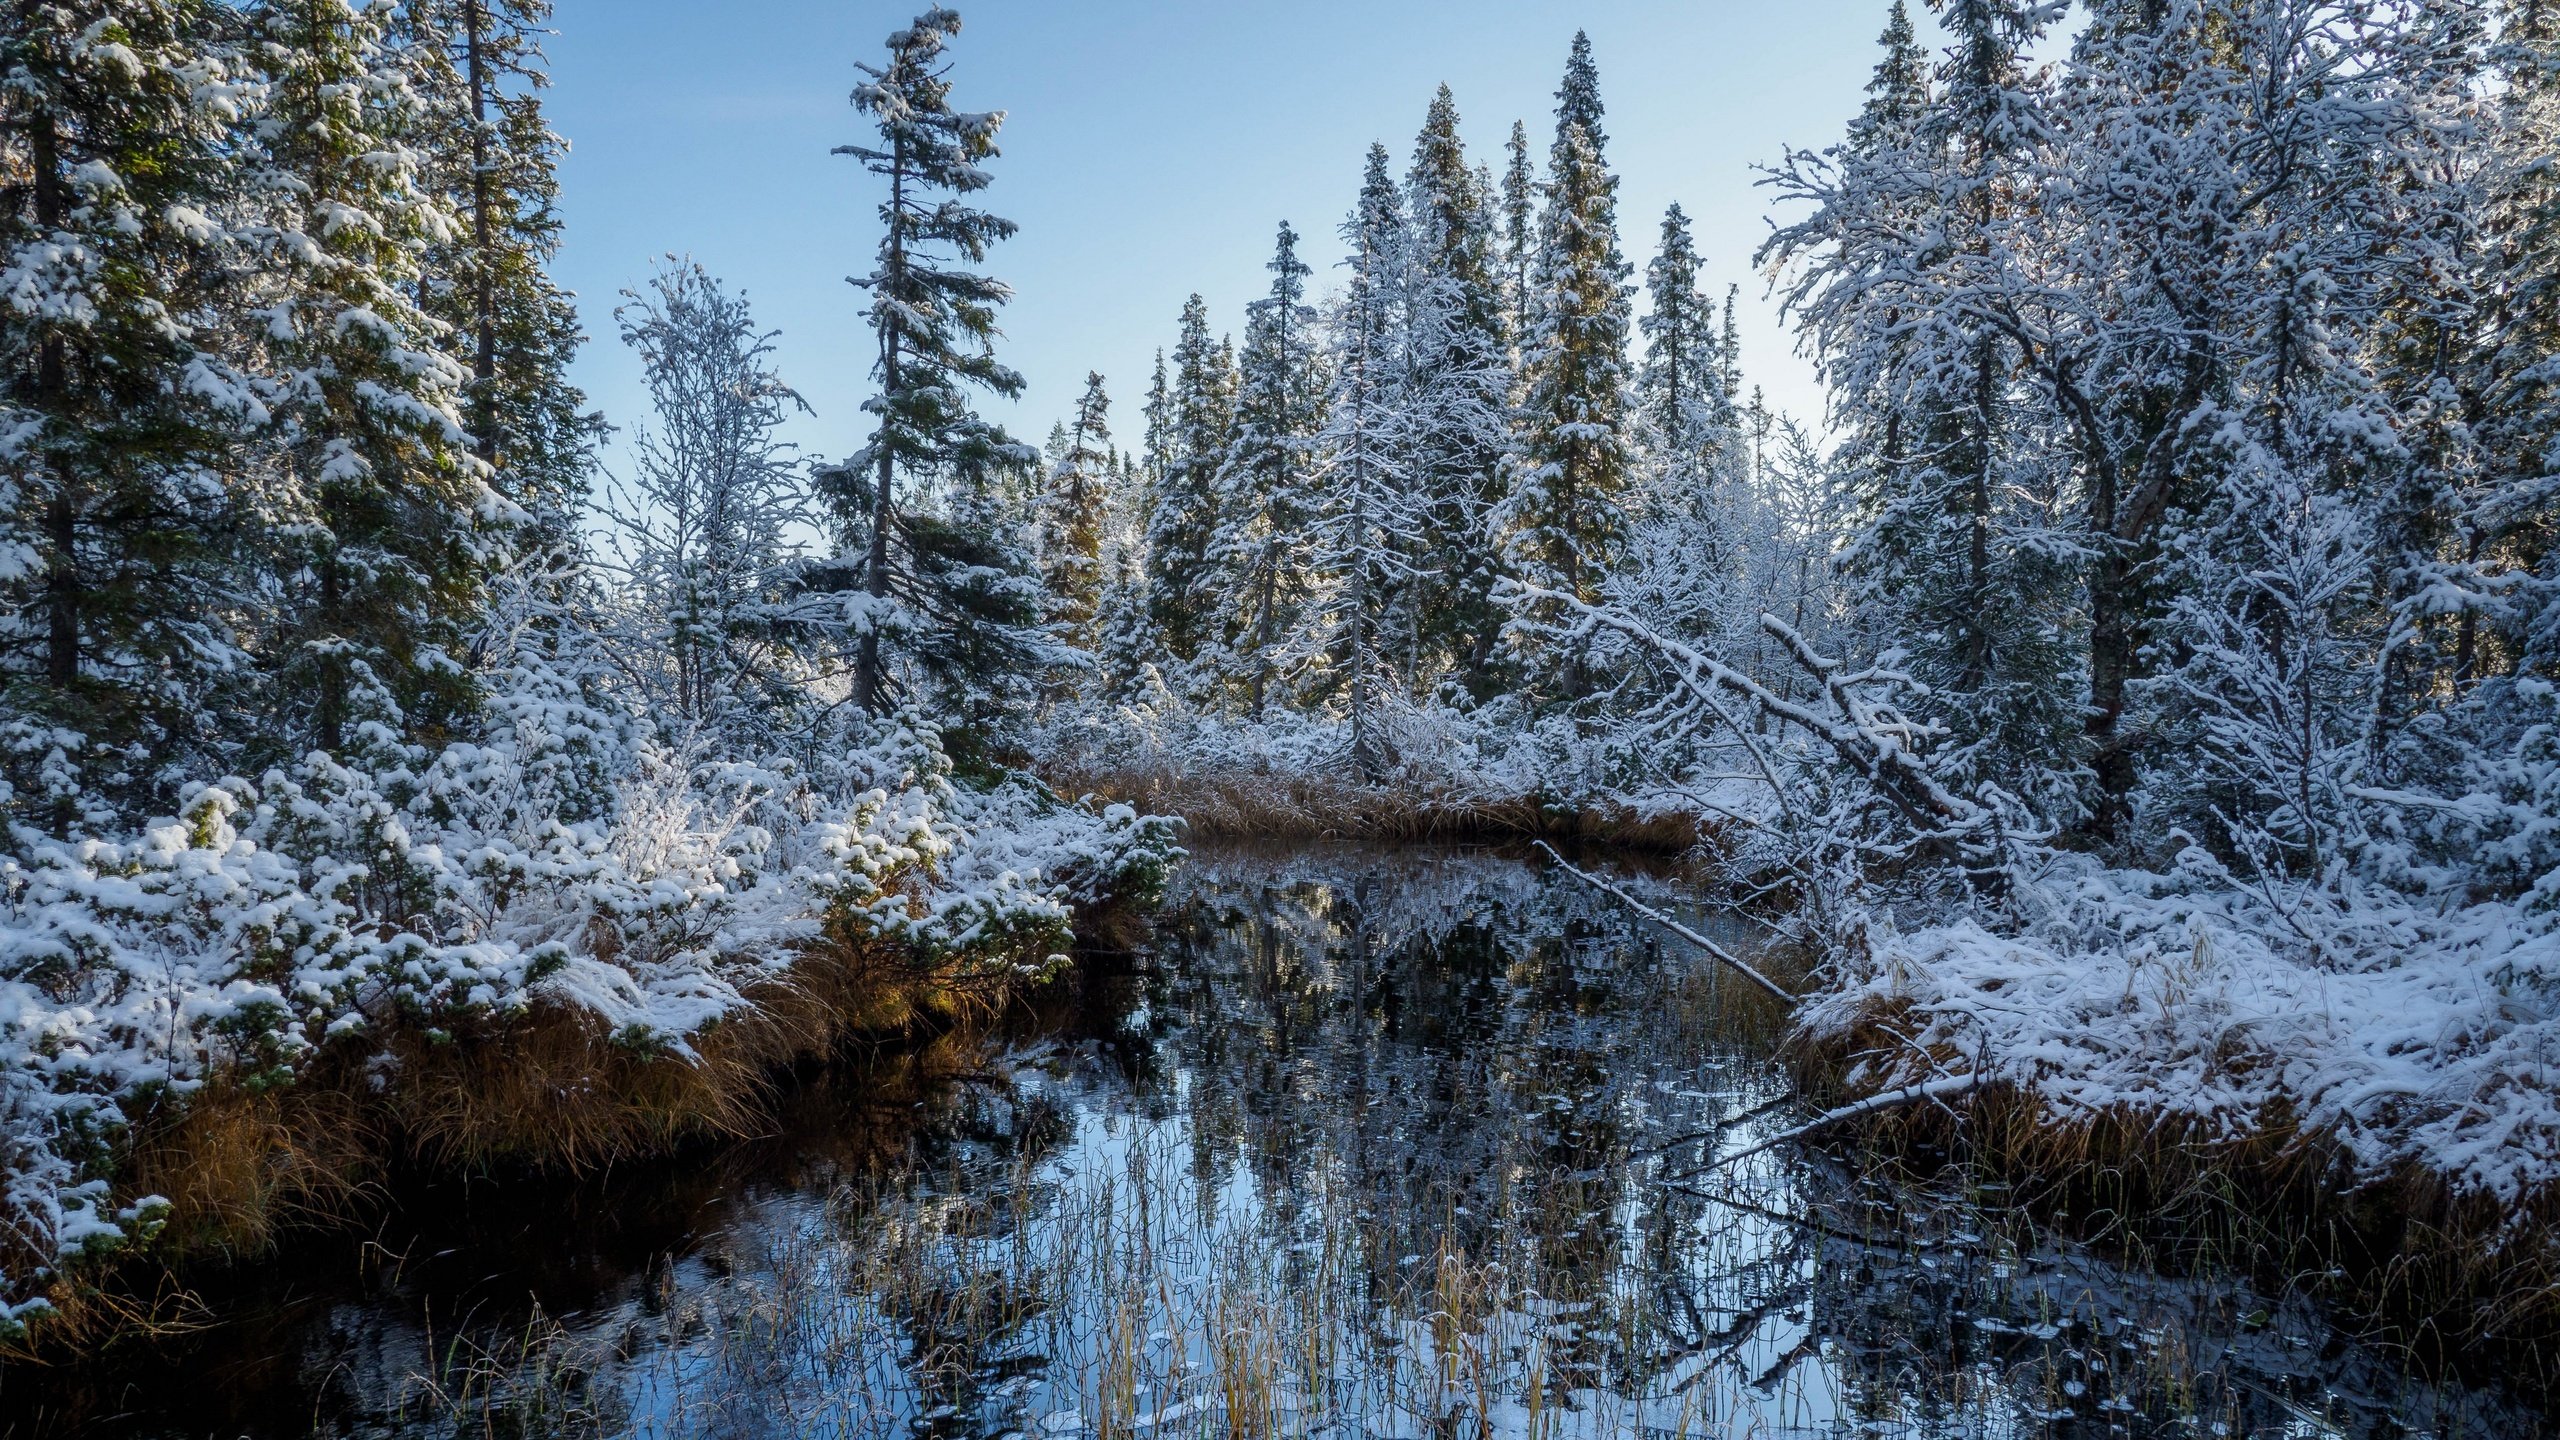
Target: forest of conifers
2135,691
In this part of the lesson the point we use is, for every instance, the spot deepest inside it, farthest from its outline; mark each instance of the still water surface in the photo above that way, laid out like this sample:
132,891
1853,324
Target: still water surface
1412,1143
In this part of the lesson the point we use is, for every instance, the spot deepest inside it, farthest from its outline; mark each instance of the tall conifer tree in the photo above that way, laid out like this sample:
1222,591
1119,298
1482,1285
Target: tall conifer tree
1562,521
1519,235
384,555
1684,377
1197,422
492,158
121,411
1263,498
1367,527
1458,397
1073,512
934,317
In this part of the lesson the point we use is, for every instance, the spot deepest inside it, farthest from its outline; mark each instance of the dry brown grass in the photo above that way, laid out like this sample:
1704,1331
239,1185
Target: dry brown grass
1301,807
238,1164
2455,1279
556,1091
550,1090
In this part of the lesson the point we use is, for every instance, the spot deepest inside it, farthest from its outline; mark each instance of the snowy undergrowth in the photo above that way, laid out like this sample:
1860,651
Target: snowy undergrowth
2414,1035
550,862
1432,757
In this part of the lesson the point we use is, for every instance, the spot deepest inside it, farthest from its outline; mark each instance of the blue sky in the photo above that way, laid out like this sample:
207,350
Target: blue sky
1150,150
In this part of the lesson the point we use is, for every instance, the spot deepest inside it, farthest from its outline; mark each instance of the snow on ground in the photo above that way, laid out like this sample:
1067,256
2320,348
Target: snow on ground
1433,756
328,903
2415,1036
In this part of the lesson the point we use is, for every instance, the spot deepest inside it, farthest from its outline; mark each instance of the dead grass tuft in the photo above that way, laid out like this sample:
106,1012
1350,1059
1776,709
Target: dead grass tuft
1278,806
550,1090
2454,1279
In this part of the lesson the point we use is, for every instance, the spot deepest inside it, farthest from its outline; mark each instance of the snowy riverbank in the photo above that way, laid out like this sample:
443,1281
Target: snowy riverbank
2408,1036
412,919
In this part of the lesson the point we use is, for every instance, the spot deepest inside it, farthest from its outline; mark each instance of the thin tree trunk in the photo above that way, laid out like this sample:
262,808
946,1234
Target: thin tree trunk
484,357
330,707
1977,664
62,516
867,681
2110,656
1262,628
2466,645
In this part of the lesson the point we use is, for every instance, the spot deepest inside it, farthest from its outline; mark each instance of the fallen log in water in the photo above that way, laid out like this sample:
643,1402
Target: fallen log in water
1667,923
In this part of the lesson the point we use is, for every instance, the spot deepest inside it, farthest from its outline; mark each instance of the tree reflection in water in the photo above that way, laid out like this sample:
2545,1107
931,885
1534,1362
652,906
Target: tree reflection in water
1367,1143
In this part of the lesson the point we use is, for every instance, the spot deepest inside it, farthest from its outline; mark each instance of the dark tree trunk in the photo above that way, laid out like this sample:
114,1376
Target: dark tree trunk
484,355
869,685
53,385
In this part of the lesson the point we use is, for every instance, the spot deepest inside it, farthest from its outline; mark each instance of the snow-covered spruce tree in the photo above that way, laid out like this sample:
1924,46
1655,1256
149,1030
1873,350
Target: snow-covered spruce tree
2261,249
1367,528
1698,524
1904,278
1899,93
2477,634
2269,695
1128,651
701,533
382,526
1188,437
1073,511
1263,499
1155,444
490,155
1688,409
903,575
2506,530
1732,336
1458,391
1519,238
986,641
1561,520
121,410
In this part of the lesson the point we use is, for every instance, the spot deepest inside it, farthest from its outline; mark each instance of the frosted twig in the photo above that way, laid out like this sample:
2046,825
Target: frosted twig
1667,923
1889,1100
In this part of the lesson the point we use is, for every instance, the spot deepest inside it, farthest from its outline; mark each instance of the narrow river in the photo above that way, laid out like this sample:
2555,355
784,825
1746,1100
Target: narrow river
1365,1143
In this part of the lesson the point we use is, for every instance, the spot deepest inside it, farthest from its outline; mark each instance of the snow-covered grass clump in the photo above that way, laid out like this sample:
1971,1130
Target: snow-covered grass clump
550,866
1434,767
2410,1036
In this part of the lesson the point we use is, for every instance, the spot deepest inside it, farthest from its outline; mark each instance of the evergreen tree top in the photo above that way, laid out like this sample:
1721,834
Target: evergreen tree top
1380,210
924,302
1291,272
1158,413
910,96
1191,347
1519,197
1981,74
1578,98
925,142
1899,90
1452,225
1673,275
1093,410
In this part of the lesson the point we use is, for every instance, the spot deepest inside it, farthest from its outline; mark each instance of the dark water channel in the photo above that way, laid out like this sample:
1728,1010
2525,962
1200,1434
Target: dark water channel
1366,1144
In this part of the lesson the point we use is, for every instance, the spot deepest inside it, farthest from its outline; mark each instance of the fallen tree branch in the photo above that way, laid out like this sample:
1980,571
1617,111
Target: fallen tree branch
1861,731
1712,1132
1667,923
1889,1100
